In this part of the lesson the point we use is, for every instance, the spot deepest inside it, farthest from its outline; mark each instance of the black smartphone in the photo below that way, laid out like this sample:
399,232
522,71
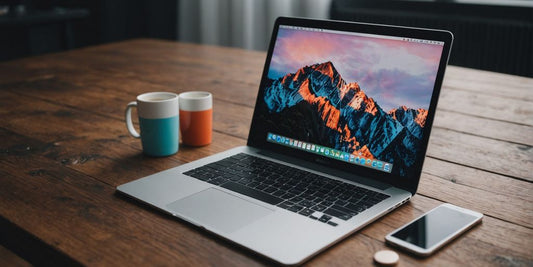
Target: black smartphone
429,232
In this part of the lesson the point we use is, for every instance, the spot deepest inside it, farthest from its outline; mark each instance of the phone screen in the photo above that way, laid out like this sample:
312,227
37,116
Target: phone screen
433,227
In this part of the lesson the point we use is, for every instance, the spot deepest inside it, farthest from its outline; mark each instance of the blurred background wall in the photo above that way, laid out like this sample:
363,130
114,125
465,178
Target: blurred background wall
241,23
495,35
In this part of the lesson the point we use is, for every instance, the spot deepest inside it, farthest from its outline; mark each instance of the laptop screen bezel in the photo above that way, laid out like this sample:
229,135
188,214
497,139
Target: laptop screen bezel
257,139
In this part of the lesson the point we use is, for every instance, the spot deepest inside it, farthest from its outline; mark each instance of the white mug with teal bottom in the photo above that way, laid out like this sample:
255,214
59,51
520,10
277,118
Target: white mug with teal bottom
159,122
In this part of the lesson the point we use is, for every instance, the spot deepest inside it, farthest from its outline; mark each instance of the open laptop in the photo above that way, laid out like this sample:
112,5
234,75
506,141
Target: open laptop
338,139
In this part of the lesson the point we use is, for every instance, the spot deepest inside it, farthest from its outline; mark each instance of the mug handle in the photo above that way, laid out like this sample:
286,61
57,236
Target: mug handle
129,123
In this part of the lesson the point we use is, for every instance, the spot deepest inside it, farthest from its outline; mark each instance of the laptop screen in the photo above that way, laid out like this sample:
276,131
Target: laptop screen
355,97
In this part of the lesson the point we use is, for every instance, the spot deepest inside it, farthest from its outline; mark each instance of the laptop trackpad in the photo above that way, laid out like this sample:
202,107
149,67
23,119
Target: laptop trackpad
219,210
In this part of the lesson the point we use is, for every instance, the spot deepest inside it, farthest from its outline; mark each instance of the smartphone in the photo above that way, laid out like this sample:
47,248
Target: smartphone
429,232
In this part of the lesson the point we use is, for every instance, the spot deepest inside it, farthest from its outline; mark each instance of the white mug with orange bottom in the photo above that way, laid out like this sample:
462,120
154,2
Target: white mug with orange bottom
196,118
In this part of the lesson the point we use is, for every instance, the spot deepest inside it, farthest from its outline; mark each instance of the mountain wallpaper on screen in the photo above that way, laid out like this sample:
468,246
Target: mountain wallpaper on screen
316,105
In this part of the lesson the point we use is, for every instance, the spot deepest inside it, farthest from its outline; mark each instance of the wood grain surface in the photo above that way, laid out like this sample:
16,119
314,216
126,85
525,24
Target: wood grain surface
64,148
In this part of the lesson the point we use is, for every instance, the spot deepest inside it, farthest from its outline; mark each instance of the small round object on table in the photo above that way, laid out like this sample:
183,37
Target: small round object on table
386,257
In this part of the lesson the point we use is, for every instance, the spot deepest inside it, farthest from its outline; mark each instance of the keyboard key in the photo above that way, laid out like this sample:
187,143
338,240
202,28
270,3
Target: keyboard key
327,203
344,197
331,199
339,190
261,186
354,199
285,187
339,214
277,185
306,212
306,203
343,209
332,223
319,207
319,195
334,212
309,197
292,182
325,218
341,202
226,163
300,187
356,207
270,189
295,191
288,196
253,184
295,208
296,199
335,182
268,182
347,216
279,193
235,178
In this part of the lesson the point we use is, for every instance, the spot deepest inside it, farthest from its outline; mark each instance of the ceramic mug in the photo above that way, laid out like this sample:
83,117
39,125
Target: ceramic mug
196,118
159,122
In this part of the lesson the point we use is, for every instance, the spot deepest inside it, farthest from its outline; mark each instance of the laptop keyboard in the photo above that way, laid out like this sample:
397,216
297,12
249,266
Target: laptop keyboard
308,194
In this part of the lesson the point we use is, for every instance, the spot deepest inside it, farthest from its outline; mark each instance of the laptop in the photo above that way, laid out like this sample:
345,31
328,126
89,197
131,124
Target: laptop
338,139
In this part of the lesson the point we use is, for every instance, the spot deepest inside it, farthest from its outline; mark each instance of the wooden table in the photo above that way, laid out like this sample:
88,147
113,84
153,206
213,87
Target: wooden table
64,148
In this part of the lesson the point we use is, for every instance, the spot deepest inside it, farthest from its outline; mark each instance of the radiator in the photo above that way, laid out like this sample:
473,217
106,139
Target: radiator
501,45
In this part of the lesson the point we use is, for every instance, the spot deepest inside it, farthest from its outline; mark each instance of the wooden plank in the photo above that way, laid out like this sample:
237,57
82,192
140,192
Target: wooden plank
233,123
99,165
203,58
108,160
490,193
182,61
503,206
489,83
53,122
493,129
100,162
234,120
446,119
83,104
358,250
479,179
447,143
96,145
479,152
8,258
224,80
183,72
486,106
526,132
64,208
62,194
111,102
493,243
117,57
56,189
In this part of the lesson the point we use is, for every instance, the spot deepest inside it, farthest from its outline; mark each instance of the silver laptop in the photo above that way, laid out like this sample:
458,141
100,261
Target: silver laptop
338,139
